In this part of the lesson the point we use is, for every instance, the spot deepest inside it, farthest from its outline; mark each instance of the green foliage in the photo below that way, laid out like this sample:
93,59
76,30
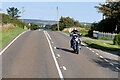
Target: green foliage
106,25
34,26
104,38
90,33
66,22
13,12
102,45
54,27
9,35
84,33
7,20
112,11
87,27
116,40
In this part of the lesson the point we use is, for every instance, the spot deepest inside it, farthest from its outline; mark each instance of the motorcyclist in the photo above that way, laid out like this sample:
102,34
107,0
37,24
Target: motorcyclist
75,31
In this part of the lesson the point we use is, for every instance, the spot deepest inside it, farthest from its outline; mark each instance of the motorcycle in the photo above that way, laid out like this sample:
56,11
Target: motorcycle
76,43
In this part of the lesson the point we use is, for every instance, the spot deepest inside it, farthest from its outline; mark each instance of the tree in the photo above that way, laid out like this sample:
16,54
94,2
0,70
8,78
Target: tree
112,11
66,22
13,12
76,23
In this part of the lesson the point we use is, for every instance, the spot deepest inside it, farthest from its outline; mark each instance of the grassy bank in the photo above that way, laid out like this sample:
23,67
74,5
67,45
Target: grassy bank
9,35
102,45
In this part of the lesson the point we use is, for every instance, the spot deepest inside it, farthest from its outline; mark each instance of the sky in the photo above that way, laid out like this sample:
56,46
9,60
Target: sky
81,11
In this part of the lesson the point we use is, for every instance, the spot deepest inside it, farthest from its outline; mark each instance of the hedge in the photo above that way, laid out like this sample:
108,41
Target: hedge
116,40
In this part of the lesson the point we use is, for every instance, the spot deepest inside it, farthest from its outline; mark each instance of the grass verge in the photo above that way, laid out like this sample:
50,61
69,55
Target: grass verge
102,45
8,35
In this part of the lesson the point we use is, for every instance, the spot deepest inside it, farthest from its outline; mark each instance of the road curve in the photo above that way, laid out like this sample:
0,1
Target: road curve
30,57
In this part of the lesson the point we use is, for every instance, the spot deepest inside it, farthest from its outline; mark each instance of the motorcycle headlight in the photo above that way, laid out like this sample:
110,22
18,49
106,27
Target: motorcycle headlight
76,39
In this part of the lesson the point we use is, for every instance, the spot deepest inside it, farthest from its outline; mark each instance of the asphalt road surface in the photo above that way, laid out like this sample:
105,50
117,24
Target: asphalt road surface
47,54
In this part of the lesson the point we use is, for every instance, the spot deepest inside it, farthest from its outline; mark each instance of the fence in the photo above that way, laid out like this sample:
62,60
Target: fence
98,34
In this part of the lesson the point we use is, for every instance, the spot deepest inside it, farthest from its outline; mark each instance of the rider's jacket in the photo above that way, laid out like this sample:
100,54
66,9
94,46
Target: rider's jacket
75,32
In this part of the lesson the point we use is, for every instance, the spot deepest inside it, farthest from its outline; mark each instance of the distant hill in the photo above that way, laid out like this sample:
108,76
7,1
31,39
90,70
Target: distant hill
40,21
82,23
46,21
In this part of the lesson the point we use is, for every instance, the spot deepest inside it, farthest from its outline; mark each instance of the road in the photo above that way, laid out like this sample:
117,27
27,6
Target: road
47,54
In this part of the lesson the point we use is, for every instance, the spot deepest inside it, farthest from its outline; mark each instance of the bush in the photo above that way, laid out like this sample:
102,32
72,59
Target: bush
116,40
84,33
90,33
34,26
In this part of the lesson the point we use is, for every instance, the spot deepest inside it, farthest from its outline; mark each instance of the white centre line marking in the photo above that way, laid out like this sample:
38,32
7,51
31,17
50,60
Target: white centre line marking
64,68
48,35
53,55
93,51
11,43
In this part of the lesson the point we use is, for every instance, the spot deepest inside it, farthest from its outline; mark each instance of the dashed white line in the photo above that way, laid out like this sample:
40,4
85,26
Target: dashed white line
54,47
93,51
58,55
54,58
90,49
64,68
117,68
96,53
86,47
106,60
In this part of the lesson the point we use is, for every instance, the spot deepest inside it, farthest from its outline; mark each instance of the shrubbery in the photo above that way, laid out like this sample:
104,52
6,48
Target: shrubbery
34,26
116,40
7,20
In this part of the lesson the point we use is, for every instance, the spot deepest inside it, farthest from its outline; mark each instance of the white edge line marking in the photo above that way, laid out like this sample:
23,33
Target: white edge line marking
54,47
56,63
111,63
100,56
106,60
64,68
58,55
89,48
11,43
96,53
48,35
117,68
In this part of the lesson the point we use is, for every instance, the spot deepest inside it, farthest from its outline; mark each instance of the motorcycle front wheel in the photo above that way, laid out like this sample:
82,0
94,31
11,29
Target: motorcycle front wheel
77,49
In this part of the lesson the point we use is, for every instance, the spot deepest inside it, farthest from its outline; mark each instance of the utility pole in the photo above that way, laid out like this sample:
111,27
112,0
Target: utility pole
22,13
57,19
